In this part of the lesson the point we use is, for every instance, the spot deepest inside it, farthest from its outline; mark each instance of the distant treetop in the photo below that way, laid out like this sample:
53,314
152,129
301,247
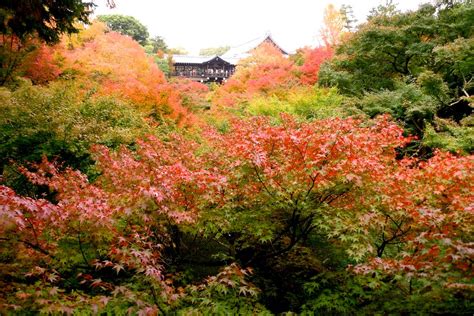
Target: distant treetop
126,25
211,51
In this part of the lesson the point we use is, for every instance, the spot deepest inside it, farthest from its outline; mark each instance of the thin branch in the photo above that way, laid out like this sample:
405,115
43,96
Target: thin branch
31,245
261,181
80,246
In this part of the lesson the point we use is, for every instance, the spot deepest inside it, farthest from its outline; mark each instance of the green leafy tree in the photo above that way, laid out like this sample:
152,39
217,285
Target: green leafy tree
163,64
387,9
310,103
430,48
407,104
158,44
348,15
177,51
211,51
56,121
126,25
227,292
400,46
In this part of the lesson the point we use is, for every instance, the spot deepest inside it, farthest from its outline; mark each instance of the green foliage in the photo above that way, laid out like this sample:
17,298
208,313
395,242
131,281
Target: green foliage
49,298
226,293
450,135
433,85
10,60
126,25
349,18
57,122
311,103
408,104
344,293
341,79
415,65
163,64
214,51
393,46
386,9
158,44
177,51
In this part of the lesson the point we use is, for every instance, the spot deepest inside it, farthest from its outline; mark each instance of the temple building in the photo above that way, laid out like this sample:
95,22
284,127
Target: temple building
217,68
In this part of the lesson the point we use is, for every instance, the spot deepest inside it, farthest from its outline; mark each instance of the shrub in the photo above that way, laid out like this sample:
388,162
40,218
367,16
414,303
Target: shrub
58,122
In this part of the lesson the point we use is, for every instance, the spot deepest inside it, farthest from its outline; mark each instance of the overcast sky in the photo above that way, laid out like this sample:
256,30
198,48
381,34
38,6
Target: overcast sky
195,24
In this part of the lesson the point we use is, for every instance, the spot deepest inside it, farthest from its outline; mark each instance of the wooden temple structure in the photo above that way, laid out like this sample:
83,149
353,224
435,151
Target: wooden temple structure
202,68
217,68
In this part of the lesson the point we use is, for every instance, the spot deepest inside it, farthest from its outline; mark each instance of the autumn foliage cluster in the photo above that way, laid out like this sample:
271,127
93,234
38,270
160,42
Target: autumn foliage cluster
267,72
111,64
126,192
405,218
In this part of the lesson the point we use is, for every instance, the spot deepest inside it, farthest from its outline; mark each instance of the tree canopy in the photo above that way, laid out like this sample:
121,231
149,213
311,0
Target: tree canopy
126,25
214,51
46,19
157,44
427,52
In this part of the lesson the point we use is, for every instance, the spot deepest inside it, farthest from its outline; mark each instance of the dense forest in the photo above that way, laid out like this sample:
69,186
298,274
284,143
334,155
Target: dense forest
338,181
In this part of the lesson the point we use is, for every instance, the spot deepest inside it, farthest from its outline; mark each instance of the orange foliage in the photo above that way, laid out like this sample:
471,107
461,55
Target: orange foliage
42,65
109,63
119,64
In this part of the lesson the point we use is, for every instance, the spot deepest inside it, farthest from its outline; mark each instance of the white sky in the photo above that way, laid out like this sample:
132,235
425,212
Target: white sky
196,24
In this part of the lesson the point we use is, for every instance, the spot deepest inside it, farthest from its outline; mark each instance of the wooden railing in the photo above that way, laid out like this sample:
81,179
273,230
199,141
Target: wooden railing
203,74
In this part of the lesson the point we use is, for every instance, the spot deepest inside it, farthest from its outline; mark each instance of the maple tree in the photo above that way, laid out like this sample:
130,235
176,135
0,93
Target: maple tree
112,225
264,72
313,58
435,224
42,66
419,231
306,102
24,25
285,197
334,23
108,63
277,185
193,94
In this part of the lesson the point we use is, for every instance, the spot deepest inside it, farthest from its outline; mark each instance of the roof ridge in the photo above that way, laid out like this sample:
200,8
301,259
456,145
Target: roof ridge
249,41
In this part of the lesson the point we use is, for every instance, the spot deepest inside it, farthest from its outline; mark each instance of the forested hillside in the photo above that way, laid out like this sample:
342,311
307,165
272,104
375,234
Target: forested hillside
338,181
